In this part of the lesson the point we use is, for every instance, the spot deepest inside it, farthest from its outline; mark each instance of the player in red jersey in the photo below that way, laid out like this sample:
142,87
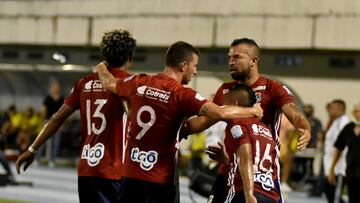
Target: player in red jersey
159,103
251,152
102,134
275,98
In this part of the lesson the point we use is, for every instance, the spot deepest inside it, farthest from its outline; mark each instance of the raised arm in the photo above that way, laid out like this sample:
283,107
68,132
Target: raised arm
212,113
300,123
108,81
46,132
246,171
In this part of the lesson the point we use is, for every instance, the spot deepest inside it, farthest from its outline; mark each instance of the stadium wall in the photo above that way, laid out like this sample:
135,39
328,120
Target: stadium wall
304,24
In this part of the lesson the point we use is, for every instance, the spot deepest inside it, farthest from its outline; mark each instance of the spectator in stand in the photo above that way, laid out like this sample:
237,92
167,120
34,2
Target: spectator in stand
52,104
337,110
350,137
314,166
316,127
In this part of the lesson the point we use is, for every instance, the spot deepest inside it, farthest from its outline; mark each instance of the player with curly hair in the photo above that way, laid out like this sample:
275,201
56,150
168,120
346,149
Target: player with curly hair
103,131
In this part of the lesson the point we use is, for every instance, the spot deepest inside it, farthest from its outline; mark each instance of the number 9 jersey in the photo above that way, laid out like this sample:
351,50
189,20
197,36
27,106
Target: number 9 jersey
102,132
158,105
252,131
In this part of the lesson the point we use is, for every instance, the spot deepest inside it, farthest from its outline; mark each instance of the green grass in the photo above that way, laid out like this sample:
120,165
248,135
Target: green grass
10,201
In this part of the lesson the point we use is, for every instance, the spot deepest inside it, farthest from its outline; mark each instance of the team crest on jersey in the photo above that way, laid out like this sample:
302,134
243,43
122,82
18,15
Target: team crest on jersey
236,131
93,85
94,154
147,160
265,179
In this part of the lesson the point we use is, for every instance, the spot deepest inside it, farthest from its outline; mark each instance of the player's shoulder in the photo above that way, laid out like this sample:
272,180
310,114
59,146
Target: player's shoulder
134,77
118,73
269,81
228,85
87,78
246,122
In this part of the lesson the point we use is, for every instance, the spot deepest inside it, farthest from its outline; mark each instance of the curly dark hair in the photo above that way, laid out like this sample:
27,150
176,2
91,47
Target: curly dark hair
117,47
252,95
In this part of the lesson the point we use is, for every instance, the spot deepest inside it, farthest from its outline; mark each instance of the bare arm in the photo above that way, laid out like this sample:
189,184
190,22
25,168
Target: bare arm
337,154
300,123
46,132
246,169
212,113
108,81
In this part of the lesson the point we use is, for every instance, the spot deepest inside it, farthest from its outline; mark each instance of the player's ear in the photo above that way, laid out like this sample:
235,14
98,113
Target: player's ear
254,60
182,66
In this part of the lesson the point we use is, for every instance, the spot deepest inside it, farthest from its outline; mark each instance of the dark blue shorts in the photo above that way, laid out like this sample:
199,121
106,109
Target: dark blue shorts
140,191
102,190
219,189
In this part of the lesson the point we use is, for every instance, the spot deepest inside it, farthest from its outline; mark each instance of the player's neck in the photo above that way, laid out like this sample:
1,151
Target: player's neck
252,79
172,73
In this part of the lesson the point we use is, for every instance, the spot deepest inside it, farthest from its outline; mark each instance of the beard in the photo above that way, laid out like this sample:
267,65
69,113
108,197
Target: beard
240,76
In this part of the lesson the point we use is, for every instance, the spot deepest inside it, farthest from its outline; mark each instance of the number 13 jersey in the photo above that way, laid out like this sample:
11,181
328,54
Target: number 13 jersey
102,132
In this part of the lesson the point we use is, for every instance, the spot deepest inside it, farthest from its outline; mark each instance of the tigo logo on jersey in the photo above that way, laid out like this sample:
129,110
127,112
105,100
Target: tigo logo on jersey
265,180
236,131
93,154
147,160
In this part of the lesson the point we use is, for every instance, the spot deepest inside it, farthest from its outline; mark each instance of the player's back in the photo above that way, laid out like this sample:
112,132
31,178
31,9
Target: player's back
254,132
102,135
158,106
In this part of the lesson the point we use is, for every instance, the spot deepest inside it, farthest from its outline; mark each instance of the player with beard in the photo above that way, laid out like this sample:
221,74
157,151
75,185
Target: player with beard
158,105
275,99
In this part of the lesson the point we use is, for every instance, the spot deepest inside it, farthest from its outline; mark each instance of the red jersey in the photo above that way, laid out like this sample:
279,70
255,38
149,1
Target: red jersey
264,154
102,133
158,106
272,96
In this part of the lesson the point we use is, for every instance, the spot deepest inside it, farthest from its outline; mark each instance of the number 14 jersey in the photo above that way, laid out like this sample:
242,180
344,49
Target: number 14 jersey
252,131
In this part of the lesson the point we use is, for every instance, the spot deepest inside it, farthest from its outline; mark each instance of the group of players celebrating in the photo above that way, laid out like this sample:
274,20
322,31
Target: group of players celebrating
131,125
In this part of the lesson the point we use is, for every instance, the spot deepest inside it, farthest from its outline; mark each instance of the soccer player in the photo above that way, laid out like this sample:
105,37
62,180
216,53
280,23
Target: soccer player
102,134
275,98
158,105
251,152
